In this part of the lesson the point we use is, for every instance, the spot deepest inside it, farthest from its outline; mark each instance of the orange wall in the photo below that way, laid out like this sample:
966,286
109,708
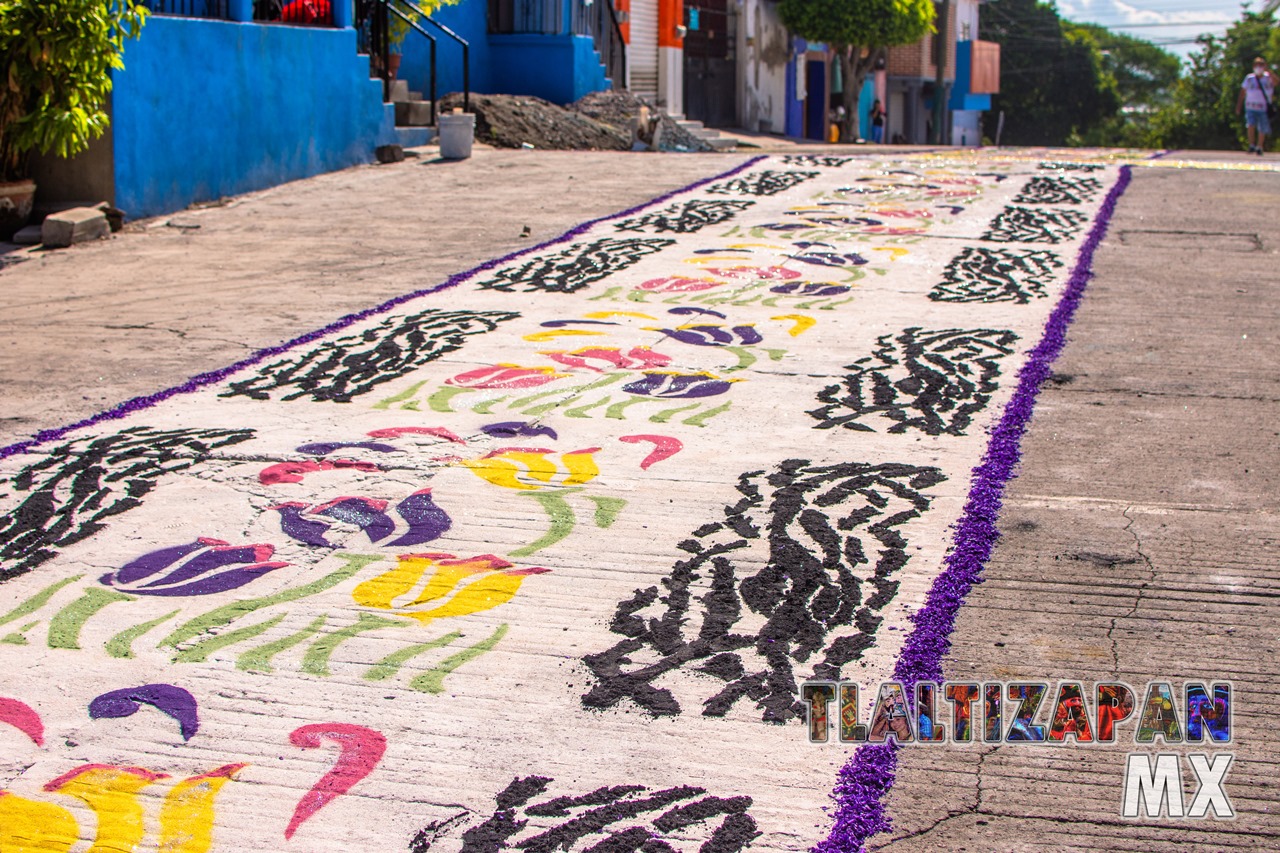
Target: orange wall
623,8
670,16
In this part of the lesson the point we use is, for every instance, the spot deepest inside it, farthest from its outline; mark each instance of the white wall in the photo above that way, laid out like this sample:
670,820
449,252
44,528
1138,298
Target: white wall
763,52
966,128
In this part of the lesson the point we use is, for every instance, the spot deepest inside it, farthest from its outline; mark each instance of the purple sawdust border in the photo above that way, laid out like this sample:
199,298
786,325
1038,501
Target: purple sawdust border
199,381
864,781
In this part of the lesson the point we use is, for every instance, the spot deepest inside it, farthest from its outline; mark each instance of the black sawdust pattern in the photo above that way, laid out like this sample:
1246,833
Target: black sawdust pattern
575,267
1035,225
340,370
821,160
997,275
686,217
767,182
70,492
613,819
933,381
1058,189
834,552
1066,166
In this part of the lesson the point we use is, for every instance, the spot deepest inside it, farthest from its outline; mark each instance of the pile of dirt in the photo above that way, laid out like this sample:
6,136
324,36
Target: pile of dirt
600,121
516,121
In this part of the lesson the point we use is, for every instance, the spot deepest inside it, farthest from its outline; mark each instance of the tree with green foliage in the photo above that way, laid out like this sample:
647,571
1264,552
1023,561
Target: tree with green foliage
1145,76
1202,111
859,32
1054,84
56,58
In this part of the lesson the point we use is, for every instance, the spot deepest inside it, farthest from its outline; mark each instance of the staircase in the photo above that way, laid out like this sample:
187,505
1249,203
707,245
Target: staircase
413,114
706,134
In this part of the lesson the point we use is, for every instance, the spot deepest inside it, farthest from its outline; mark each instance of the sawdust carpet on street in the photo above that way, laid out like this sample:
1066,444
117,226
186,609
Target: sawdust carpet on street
158,304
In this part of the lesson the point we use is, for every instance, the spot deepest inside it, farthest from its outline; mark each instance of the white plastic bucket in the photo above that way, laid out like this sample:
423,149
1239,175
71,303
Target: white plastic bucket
457,132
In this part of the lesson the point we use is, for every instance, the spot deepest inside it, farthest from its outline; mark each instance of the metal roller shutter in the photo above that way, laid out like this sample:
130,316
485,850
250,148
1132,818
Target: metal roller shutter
642,53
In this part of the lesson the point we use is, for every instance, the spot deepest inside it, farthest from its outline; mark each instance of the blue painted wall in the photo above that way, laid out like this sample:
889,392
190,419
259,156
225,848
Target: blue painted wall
795,107
209,108
469,20
961,97
865,100
560,68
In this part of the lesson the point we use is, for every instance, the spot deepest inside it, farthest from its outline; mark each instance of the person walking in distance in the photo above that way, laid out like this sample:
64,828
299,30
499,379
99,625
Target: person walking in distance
1257,94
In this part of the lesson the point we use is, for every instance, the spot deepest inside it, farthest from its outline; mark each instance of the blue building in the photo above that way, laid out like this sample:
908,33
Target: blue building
558,50
222,97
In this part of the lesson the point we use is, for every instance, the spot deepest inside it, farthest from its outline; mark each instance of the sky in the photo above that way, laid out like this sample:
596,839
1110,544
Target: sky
1173,24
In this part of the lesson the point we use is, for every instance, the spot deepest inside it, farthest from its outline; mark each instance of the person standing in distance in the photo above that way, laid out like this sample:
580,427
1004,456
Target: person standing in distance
1256,97
877,122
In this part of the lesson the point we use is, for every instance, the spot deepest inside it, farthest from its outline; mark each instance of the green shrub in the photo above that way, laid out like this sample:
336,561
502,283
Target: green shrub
56,58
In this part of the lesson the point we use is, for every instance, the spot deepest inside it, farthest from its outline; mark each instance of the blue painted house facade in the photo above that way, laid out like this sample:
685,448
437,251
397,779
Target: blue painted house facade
223,97
214,106
545,48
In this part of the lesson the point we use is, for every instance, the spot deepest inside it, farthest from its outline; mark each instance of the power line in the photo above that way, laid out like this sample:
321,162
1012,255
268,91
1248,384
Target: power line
1124,26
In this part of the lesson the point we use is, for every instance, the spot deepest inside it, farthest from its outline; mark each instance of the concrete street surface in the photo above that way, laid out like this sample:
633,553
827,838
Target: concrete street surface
540,560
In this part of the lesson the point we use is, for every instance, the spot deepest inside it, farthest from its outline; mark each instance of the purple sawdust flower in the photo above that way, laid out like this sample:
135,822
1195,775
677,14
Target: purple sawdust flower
324,448
166,698
834,221
672,384
810,288
710,335
685,310
516,429
203,567
827,259
425,520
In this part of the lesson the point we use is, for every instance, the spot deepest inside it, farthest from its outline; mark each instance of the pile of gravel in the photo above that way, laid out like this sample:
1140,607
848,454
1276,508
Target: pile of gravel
619,108
514,121
614,108
600,121
676,138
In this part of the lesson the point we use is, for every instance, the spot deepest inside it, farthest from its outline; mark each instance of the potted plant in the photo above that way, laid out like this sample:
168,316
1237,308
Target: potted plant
398,28
56,58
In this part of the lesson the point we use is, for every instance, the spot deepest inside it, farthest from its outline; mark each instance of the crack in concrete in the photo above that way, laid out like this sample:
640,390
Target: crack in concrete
979,808
1137,599
181,334
1134,392
975,809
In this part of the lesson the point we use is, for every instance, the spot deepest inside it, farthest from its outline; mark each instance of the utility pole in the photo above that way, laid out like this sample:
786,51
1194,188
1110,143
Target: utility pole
940,79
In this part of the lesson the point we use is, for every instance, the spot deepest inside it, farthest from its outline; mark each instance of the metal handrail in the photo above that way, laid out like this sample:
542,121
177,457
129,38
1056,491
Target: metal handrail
391,6
620,82
466,50
599,20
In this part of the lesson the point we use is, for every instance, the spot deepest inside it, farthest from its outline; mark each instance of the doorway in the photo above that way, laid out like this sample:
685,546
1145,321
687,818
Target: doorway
710,63
815,102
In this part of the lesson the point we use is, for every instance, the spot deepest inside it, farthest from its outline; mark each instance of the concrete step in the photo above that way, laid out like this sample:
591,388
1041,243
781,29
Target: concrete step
698,129
720,143
416,113
415,137
415,96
